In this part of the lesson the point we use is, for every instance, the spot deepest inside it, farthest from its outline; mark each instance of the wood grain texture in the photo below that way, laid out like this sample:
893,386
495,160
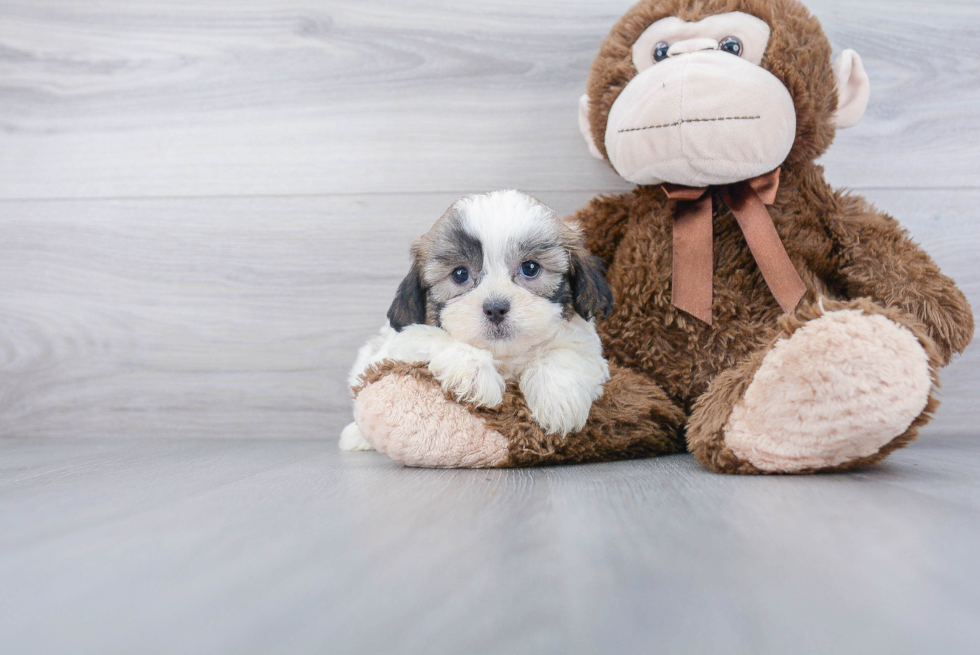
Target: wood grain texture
170,546
239,317
279,156
164,98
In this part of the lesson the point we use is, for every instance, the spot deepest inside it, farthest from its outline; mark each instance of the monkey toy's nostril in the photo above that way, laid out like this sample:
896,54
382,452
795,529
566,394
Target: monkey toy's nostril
496,310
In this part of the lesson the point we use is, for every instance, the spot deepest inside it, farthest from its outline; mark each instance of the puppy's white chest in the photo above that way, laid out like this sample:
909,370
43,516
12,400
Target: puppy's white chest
511,369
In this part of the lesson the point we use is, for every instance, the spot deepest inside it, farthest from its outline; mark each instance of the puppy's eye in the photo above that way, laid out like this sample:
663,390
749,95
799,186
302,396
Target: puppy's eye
460,275
660,51
731,45
530,269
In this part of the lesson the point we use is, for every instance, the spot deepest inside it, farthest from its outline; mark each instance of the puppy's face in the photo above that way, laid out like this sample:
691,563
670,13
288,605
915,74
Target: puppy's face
500,271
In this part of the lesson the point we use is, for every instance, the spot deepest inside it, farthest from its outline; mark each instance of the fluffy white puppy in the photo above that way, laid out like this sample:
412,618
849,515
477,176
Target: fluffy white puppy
501,288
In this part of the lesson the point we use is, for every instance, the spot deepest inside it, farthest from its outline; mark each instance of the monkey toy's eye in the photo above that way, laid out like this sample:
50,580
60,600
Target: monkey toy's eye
530,269
660,51
461,275
731,44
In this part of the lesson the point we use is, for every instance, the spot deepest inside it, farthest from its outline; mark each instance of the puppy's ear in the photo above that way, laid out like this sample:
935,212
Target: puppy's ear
408,307
591,295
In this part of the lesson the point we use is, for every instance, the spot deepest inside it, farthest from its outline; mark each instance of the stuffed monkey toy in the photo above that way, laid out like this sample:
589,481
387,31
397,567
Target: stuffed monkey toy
763,321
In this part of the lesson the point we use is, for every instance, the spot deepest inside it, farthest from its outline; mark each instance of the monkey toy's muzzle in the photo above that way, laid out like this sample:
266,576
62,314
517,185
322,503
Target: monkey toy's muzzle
700,119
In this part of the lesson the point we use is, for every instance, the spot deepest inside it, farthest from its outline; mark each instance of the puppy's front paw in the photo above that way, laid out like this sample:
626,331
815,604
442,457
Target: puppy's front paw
469,373
558,406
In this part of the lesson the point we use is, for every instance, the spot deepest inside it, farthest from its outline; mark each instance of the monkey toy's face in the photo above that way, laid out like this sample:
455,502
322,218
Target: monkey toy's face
701,109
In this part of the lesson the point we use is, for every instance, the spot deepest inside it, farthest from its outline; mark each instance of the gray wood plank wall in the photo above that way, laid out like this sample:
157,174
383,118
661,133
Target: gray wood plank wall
206,207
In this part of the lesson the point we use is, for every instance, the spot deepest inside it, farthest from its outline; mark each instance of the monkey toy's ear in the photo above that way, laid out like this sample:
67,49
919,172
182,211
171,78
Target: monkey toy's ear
586,127
591,295
853,88
408,307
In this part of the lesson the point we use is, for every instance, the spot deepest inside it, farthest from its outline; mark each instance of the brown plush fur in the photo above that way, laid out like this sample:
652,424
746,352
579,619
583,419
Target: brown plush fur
668,364
842,247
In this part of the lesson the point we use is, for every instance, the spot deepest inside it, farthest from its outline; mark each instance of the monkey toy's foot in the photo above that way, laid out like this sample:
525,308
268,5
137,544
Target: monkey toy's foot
838,389
404,413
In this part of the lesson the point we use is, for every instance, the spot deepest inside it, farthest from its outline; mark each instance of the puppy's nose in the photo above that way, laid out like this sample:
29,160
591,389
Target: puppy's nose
496,310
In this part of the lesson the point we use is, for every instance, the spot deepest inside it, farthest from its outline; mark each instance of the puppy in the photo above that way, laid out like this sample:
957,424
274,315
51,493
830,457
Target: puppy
500,289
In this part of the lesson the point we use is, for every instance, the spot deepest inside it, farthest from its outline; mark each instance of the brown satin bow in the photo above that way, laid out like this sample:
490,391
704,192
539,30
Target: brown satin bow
693,248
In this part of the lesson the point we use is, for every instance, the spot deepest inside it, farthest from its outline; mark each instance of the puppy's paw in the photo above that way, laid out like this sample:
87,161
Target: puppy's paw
470,374
558,405
352,439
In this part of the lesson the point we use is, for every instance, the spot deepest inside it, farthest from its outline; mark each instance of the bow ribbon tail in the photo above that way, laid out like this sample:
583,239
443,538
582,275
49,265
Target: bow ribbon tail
693,256
763,240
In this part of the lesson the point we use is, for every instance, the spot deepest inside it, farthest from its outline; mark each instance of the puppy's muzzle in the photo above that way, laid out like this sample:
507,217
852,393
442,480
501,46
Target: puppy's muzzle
496,310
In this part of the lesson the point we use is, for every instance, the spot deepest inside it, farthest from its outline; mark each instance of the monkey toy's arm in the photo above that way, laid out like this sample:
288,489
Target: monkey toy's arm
880,261
603,222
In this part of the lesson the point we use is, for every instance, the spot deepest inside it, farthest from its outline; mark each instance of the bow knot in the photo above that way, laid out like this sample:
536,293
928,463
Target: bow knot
693,263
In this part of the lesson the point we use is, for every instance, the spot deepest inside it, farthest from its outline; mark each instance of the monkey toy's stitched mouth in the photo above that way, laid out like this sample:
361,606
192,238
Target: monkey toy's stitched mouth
690,120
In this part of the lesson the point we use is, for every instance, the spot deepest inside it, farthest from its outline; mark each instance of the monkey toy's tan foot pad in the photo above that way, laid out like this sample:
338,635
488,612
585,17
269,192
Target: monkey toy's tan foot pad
406,416
840,388
403,412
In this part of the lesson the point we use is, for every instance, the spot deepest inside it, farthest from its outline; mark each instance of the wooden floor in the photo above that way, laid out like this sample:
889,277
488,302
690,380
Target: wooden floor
289,546
205,207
